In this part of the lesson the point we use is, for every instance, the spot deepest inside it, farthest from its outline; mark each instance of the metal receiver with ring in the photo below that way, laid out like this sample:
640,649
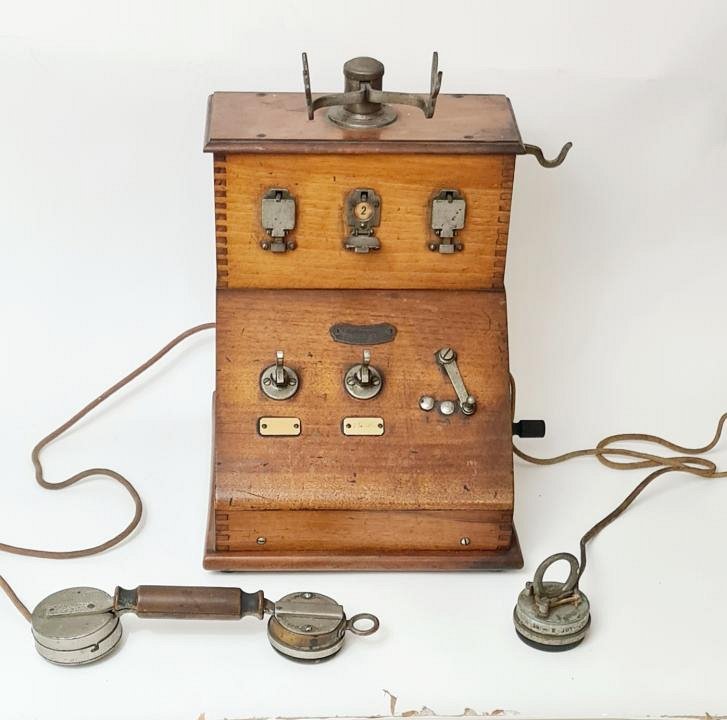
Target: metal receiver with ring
80,625
311,626
551,615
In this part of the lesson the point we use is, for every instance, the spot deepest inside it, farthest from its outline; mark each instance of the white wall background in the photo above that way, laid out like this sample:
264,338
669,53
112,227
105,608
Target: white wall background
617,303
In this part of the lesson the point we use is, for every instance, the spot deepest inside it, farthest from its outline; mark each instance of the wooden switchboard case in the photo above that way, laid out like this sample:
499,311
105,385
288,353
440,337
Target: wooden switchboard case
353,264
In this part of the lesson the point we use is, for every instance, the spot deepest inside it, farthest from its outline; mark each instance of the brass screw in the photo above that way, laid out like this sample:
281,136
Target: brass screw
464,541
261,540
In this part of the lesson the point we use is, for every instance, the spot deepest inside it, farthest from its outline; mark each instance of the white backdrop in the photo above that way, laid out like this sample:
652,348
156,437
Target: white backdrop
616,293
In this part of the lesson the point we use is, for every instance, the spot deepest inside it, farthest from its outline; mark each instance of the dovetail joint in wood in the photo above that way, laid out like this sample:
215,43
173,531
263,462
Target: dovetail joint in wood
503,219
220,184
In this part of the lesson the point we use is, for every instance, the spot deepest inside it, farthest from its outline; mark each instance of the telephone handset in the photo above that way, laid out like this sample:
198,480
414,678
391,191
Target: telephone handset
80,625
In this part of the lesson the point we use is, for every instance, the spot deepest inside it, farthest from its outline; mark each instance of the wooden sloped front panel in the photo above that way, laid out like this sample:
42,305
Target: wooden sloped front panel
320,185
424,461
433,492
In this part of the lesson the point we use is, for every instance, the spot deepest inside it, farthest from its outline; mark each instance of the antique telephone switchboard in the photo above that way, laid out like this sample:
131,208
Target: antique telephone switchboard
362,410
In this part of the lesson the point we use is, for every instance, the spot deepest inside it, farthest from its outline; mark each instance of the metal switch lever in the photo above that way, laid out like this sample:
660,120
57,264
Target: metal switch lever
279,382
446,358
363,381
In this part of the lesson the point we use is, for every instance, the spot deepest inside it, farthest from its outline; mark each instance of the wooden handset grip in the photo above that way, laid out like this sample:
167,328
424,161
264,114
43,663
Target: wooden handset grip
177,601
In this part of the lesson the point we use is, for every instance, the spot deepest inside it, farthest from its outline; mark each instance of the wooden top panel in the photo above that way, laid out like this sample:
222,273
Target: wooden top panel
423,461
320,185
278,122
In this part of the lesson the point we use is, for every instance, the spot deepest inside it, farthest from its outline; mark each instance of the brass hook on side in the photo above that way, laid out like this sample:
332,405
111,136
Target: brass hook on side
538,153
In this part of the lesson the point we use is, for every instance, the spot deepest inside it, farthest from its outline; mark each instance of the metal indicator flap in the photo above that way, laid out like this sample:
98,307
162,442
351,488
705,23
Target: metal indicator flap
356,426
277,217
363,214
448,214
279,426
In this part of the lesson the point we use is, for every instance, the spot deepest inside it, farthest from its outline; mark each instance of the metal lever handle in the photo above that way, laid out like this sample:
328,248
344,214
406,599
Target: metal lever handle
446,358
175,601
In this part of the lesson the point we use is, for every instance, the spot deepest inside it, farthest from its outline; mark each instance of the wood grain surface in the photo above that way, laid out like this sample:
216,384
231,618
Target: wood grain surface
278,122
424,461
320,185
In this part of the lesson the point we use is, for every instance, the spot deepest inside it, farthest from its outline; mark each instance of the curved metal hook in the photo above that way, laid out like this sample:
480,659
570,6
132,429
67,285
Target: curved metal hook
538,153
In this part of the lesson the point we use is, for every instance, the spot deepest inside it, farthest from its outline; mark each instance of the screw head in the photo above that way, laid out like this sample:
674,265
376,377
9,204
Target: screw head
265,245
426,403
447,354
261,540
464,541
447,407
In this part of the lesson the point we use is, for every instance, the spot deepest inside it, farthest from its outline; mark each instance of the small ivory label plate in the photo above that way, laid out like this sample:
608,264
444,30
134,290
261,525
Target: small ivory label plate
278,426
362,426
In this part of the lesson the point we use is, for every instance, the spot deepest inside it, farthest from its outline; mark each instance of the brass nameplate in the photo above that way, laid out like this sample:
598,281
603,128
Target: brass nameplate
363,426
278,426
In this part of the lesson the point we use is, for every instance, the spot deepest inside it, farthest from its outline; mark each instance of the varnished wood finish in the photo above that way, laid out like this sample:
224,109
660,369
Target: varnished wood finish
361,531
432,492
320,185
278,123
423,461
331,559
422,488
